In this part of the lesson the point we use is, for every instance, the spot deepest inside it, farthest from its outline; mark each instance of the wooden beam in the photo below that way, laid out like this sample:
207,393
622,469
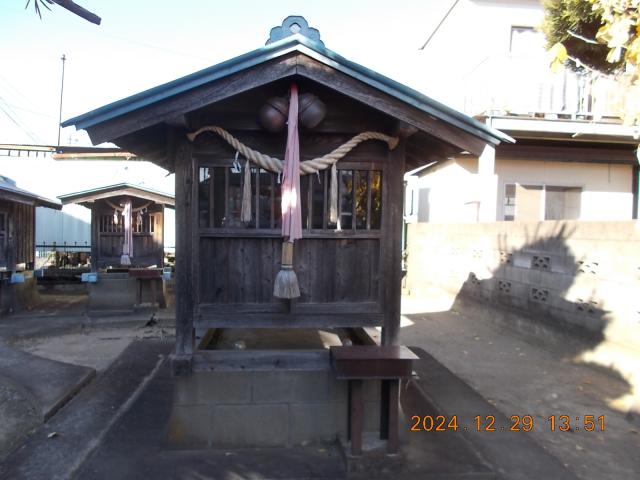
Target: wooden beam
347,308
288,320
242,360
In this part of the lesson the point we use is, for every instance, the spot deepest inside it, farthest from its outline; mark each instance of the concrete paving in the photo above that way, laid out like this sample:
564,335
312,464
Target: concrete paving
521,373
60,446
46,384
513,454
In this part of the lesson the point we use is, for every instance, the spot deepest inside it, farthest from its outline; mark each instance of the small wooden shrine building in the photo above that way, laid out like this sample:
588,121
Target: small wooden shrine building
127,224
223,132
17,239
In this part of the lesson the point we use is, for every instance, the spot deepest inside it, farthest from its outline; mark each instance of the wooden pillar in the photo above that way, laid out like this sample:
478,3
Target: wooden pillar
160,225
356,415
185,298
392,419
635,171
95,237
11,237
393,195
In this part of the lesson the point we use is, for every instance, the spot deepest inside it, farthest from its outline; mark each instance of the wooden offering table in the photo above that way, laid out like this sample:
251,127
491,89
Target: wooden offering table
388,363
150,276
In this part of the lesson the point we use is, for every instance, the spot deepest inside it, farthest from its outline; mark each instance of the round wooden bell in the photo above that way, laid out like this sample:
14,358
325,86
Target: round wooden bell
311,111
273,114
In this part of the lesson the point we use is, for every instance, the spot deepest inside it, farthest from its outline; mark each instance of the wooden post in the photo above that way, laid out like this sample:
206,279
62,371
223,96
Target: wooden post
392,254
392,422
95,237
393,198
184,259
384,409
356,415
635,171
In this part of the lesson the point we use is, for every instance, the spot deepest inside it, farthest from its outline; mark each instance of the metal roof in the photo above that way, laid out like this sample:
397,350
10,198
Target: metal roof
116,190
9,191
292,43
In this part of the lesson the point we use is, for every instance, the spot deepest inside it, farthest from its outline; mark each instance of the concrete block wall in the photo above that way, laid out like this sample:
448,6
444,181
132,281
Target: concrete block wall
253,409
18,297
580,276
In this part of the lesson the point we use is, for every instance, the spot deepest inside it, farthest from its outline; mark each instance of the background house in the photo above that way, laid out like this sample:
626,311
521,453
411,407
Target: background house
17,233
572,159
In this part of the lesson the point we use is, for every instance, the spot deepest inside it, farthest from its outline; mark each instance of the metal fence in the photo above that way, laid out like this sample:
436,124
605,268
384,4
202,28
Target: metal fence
63,255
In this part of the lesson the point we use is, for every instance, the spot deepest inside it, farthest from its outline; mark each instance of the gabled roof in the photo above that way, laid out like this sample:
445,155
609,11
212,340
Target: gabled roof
9,191
292,44
110,191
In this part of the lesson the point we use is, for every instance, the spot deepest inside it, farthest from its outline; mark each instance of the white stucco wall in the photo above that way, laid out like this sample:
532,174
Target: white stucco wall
449,192
453,189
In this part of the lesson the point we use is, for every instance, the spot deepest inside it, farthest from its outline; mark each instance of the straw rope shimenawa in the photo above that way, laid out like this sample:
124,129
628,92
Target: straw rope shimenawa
307,167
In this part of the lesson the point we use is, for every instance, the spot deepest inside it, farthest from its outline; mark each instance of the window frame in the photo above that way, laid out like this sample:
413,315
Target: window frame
206,161
543,198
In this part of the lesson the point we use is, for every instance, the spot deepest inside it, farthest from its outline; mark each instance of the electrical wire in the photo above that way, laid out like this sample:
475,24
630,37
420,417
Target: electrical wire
28,132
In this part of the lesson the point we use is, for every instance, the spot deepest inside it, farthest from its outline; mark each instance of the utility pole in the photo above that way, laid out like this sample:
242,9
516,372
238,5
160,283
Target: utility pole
64,58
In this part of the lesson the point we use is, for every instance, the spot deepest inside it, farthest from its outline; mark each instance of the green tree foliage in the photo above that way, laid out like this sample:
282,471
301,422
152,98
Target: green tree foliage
602,36
570,22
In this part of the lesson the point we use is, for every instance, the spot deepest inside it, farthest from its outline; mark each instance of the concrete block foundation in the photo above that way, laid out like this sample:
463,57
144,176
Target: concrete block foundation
15,297
119,292
254,409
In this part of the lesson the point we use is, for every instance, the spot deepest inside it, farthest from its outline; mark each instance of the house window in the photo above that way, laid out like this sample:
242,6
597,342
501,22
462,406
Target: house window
220,199
526,41
541,202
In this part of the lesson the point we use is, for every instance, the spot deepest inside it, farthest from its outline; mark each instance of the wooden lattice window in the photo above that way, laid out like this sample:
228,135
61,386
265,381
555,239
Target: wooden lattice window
142,224
220,199
111,223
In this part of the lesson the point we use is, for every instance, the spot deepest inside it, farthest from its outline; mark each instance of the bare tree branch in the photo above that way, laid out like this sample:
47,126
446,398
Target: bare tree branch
78,10
67,5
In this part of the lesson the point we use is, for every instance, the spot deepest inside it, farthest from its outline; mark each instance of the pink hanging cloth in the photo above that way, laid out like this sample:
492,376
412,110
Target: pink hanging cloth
127,245
291,208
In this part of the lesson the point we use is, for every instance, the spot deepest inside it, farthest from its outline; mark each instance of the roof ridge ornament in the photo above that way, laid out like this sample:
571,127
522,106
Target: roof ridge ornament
290,26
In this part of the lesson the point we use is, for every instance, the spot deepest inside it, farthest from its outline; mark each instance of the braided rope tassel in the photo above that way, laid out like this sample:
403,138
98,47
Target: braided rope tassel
245,213
333,195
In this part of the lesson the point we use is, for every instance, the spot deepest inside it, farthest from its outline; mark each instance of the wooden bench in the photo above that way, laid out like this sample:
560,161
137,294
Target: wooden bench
388,363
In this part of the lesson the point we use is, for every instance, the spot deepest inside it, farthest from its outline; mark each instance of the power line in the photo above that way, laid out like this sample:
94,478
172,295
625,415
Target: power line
15,90
156,47
14,106
30,134
435,30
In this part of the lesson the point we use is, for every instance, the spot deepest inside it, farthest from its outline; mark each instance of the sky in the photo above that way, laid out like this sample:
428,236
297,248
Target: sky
144,43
